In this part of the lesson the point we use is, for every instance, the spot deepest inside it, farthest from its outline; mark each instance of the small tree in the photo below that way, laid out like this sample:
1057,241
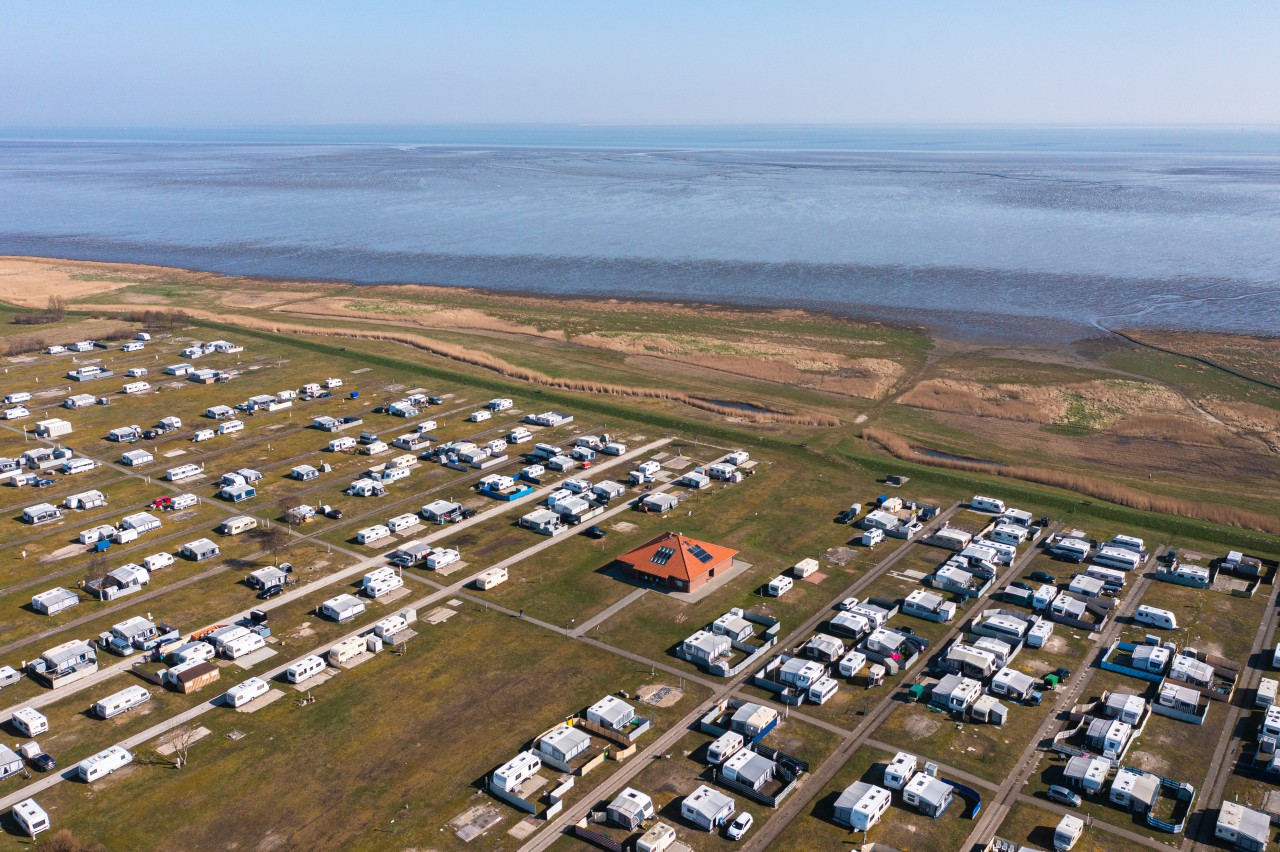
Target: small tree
98,567
57,307
275,539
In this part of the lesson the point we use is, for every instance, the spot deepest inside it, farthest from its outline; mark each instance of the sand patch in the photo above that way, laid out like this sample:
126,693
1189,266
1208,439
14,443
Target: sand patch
415,313
31,281
1086,405
260,299
920,727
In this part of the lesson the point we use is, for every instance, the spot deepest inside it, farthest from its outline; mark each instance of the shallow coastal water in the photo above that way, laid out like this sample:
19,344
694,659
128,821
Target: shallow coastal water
1023,233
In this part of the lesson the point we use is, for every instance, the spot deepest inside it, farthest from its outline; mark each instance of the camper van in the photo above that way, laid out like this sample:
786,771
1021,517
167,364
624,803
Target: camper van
387,628
372,534
237,525
1112,580
1153,617
724,747
74,466
1117,557
403,522
103,763
779,586
1128,542
347,649
242,693
242,646
380,582
307,667
184,472
30,722
31,817
1074,549
121,702
822,690
987,504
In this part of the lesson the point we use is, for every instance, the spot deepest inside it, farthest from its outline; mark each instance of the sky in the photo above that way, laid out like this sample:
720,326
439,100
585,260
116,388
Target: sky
234,63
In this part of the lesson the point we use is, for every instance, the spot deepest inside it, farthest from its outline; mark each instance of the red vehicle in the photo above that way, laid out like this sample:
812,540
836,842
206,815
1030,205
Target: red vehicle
165,504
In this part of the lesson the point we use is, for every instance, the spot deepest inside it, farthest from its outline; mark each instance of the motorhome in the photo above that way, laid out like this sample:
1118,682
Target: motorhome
74,466
121,702
103,763
307,667
1112,579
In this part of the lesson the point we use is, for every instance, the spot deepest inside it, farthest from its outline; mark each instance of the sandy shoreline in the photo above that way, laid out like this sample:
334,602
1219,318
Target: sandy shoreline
41,274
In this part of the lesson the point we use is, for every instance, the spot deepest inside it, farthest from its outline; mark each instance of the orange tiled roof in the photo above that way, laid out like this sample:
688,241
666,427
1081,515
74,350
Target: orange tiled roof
678,556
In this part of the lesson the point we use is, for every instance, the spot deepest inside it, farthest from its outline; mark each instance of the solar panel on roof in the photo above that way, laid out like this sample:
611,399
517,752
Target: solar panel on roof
663,554
699,553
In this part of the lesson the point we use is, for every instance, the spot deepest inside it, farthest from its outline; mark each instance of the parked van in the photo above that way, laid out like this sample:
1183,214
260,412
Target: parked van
29,721
203,435
1156,617
307,667
237,525
242,693
779,586
229,427
121,702
103,763
345,650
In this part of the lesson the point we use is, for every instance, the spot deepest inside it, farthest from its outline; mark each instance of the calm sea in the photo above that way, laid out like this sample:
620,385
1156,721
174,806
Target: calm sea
996,231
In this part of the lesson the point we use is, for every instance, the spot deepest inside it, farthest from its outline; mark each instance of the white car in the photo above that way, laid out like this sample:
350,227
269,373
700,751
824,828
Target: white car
847,604
740,826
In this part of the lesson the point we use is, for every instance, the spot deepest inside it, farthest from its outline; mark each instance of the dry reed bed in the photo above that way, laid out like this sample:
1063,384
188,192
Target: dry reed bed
508,370
1119,494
